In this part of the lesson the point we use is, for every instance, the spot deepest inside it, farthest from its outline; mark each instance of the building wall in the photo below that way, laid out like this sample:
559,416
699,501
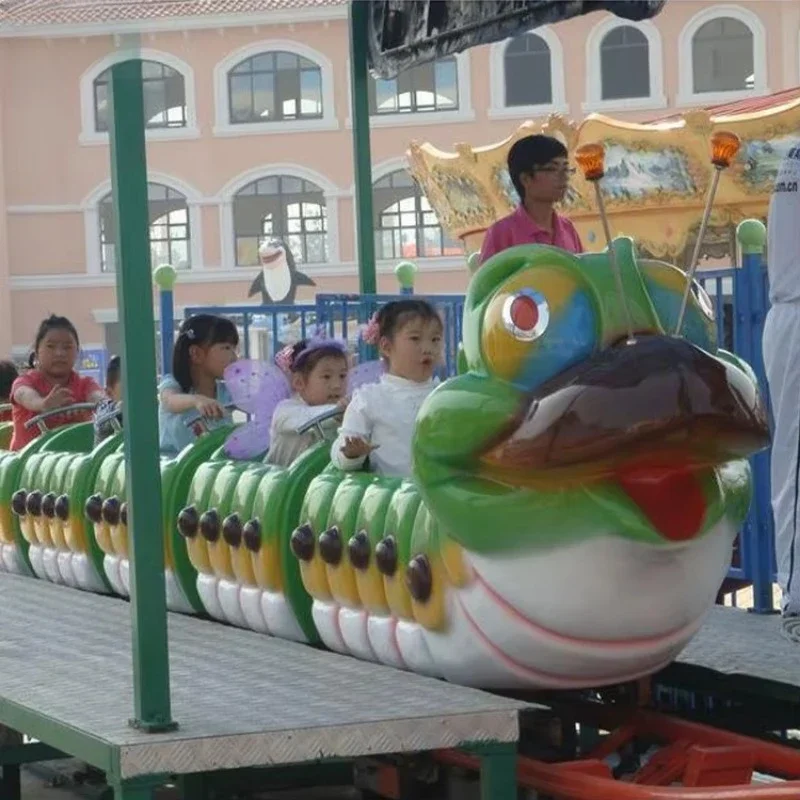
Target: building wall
53,171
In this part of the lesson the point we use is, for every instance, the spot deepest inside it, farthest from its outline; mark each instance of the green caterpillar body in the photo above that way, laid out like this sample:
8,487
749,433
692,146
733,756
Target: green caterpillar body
570,517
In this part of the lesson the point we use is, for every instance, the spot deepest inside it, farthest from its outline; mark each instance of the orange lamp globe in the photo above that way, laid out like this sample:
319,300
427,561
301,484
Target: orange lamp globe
724,147
590,158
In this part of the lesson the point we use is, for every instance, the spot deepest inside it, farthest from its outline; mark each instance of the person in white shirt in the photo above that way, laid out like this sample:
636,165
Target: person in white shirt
380,418
317,369
781,348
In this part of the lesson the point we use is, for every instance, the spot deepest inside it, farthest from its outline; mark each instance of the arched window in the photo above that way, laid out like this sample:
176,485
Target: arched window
528,71
405,224
432,86
170,239
624,64
722,56
284,207
164,97
274,86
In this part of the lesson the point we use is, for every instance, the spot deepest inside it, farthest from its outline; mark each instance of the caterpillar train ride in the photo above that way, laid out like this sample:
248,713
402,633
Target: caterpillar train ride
575,495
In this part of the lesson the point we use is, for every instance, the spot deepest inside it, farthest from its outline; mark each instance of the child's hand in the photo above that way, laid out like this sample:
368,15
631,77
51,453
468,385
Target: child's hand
342,404
58,397
356,447
207,407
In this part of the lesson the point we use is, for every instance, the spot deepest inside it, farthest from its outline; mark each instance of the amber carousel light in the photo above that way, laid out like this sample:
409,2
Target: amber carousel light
724,147
591,161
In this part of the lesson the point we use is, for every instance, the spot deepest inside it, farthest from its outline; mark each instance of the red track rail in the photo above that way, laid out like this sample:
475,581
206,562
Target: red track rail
695,762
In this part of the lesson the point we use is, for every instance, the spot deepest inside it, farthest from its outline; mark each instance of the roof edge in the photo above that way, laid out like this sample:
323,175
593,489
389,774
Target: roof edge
197,22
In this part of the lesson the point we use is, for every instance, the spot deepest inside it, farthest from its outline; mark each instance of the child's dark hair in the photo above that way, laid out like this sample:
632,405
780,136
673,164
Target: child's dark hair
305,365
8,374
530,152
398,313
113,369
52,323
203,330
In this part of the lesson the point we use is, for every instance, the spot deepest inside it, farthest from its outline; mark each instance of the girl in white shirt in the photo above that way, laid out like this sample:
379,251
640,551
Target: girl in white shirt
380,418
317,369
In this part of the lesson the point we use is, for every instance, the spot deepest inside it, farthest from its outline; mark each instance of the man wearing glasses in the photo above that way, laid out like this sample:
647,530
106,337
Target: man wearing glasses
540,173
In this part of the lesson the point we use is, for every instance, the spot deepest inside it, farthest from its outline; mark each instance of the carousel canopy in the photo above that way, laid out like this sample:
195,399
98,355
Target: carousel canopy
405,32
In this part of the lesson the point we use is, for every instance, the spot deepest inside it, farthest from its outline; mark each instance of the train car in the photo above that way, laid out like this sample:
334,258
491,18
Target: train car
575,495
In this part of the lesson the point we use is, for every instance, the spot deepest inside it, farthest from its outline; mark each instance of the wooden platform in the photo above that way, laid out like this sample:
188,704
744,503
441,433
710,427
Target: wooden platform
241,699
745,648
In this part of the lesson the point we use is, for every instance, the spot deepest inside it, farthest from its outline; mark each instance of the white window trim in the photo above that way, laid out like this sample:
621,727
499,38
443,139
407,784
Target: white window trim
331,192
594,85
90,136
686,94
384,168
497,80
91,222
222,123
226,280
465,112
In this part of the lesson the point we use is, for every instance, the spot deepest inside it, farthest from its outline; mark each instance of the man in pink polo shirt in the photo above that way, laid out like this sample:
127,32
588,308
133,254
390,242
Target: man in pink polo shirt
540,172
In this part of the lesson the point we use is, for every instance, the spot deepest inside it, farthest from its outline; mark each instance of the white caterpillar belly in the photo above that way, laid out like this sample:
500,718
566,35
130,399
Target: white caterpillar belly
603,611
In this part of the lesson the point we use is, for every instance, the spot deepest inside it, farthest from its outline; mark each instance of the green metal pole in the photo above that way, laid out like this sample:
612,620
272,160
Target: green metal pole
137,332
498,771
362,159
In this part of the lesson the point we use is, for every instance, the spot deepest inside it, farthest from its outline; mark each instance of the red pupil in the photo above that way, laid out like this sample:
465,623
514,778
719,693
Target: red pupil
524,313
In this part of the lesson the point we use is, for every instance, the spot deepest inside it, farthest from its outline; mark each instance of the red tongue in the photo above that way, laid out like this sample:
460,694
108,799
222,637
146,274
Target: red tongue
671,498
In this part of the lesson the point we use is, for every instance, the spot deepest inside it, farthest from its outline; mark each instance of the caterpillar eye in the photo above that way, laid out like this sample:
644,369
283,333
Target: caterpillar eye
526,315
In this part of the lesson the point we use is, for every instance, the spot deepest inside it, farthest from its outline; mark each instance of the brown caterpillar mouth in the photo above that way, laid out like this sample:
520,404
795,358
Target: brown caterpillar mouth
659,395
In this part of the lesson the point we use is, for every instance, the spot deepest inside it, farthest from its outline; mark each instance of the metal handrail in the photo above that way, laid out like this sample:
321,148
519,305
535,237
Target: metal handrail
40,419
190,423
318,420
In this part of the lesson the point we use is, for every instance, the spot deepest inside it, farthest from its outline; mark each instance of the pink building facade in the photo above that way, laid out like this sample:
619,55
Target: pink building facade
249,135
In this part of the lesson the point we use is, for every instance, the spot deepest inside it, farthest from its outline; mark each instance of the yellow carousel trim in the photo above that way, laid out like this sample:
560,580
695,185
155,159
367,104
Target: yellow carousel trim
657,175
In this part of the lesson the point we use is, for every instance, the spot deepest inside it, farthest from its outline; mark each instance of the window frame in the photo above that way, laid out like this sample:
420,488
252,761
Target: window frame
686,94
415,90
145,81
464,112
225,128
656,99
254,72
497,80
418,195
331,192
285,221
90,136
91,222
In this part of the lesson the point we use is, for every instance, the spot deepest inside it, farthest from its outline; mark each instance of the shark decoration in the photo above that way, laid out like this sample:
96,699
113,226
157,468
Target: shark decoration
279,278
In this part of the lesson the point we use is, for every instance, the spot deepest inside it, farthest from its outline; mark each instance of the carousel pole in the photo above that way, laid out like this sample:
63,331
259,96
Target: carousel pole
724,147
590,158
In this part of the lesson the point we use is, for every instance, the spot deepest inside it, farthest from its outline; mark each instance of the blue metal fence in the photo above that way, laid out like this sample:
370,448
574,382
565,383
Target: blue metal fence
738,295
741,300
267,327
343,313
270,327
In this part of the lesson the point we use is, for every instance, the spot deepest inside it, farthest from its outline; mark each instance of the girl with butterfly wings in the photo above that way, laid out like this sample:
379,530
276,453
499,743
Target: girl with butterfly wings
309,380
